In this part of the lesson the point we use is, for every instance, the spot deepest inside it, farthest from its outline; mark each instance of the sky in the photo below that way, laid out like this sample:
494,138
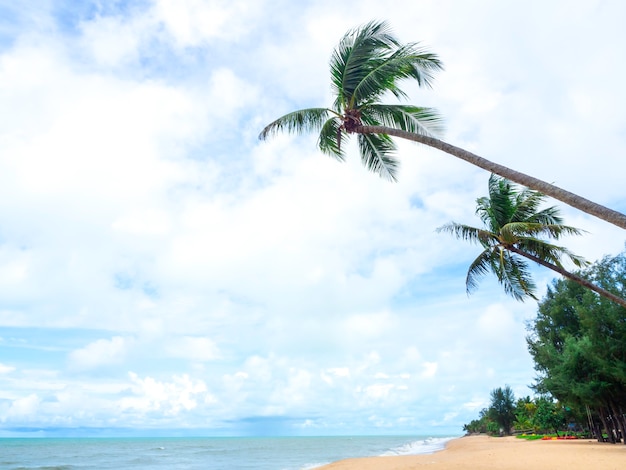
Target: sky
164,271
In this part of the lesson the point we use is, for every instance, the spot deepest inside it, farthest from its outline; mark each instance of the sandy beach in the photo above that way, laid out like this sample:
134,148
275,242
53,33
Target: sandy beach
505,453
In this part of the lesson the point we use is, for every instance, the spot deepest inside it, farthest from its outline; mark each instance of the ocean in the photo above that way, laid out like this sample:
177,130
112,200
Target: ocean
202,453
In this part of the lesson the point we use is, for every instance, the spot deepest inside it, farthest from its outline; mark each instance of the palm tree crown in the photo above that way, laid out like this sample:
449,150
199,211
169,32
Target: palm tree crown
513,227
367,64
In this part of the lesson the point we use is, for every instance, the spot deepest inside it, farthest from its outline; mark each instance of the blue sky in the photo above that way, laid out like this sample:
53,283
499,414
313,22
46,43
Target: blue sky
160,268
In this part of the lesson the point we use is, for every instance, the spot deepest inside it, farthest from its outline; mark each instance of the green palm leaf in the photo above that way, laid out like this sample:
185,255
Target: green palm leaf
424,121
298,122
527,205
551,253
555,231
358,51
377,154
515,227
368,64
471,234
479,268
330,139
514,276
385,73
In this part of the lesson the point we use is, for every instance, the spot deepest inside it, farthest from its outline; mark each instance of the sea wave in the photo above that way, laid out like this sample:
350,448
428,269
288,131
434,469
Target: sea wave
421,446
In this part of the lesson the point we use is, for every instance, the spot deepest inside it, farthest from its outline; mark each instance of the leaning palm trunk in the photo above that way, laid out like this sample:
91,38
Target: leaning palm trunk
571,199
582,281
604,414
619,421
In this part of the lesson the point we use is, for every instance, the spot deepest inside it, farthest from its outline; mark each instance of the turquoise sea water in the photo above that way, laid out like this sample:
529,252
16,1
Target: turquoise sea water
223,453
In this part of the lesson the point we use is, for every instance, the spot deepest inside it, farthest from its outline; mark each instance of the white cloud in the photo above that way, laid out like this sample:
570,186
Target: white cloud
430,369
146,222
378,391
194,22
100,353
170,398
14,271
5,369
139,208
194,348
497,324
23,409
368,325
339,371
113,41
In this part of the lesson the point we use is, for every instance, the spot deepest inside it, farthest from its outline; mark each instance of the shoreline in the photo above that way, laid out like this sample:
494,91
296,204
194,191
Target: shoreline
503,453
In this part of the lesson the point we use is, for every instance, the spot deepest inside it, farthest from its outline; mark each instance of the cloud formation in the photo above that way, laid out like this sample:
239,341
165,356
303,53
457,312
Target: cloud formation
161,268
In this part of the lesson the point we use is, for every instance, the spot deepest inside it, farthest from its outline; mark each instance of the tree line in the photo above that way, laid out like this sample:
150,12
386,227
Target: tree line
578,345
505,414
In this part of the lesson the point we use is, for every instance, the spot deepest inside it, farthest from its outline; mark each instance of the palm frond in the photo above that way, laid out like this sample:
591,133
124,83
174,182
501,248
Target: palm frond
471,234
549,215
579,261
330,139
377,154
527,202
514,276
516,227
512,273
424,121
500,202
525,229
479,267
541,249
548,252
483,211
424,64
356,53
389,68
298,122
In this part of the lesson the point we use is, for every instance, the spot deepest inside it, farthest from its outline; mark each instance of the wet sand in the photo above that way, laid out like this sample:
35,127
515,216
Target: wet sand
502,453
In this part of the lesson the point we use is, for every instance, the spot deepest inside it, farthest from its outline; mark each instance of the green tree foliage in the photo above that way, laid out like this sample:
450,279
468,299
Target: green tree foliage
524,412
480,425
369,63
578,344
541,414
516,230
502,408
549,415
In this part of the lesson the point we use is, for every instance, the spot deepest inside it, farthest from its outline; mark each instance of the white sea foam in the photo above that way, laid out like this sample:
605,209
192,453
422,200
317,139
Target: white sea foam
422,446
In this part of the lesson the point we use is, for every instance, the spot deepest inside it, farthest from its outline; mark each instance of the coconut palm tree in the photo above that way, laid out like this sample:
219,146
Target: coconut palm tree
369,63
513,229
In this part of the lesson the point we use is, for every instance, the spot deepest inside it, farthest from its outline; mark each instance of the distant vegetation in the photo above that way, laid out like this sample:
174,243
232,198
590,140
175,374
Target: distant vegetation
540,415
578,344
